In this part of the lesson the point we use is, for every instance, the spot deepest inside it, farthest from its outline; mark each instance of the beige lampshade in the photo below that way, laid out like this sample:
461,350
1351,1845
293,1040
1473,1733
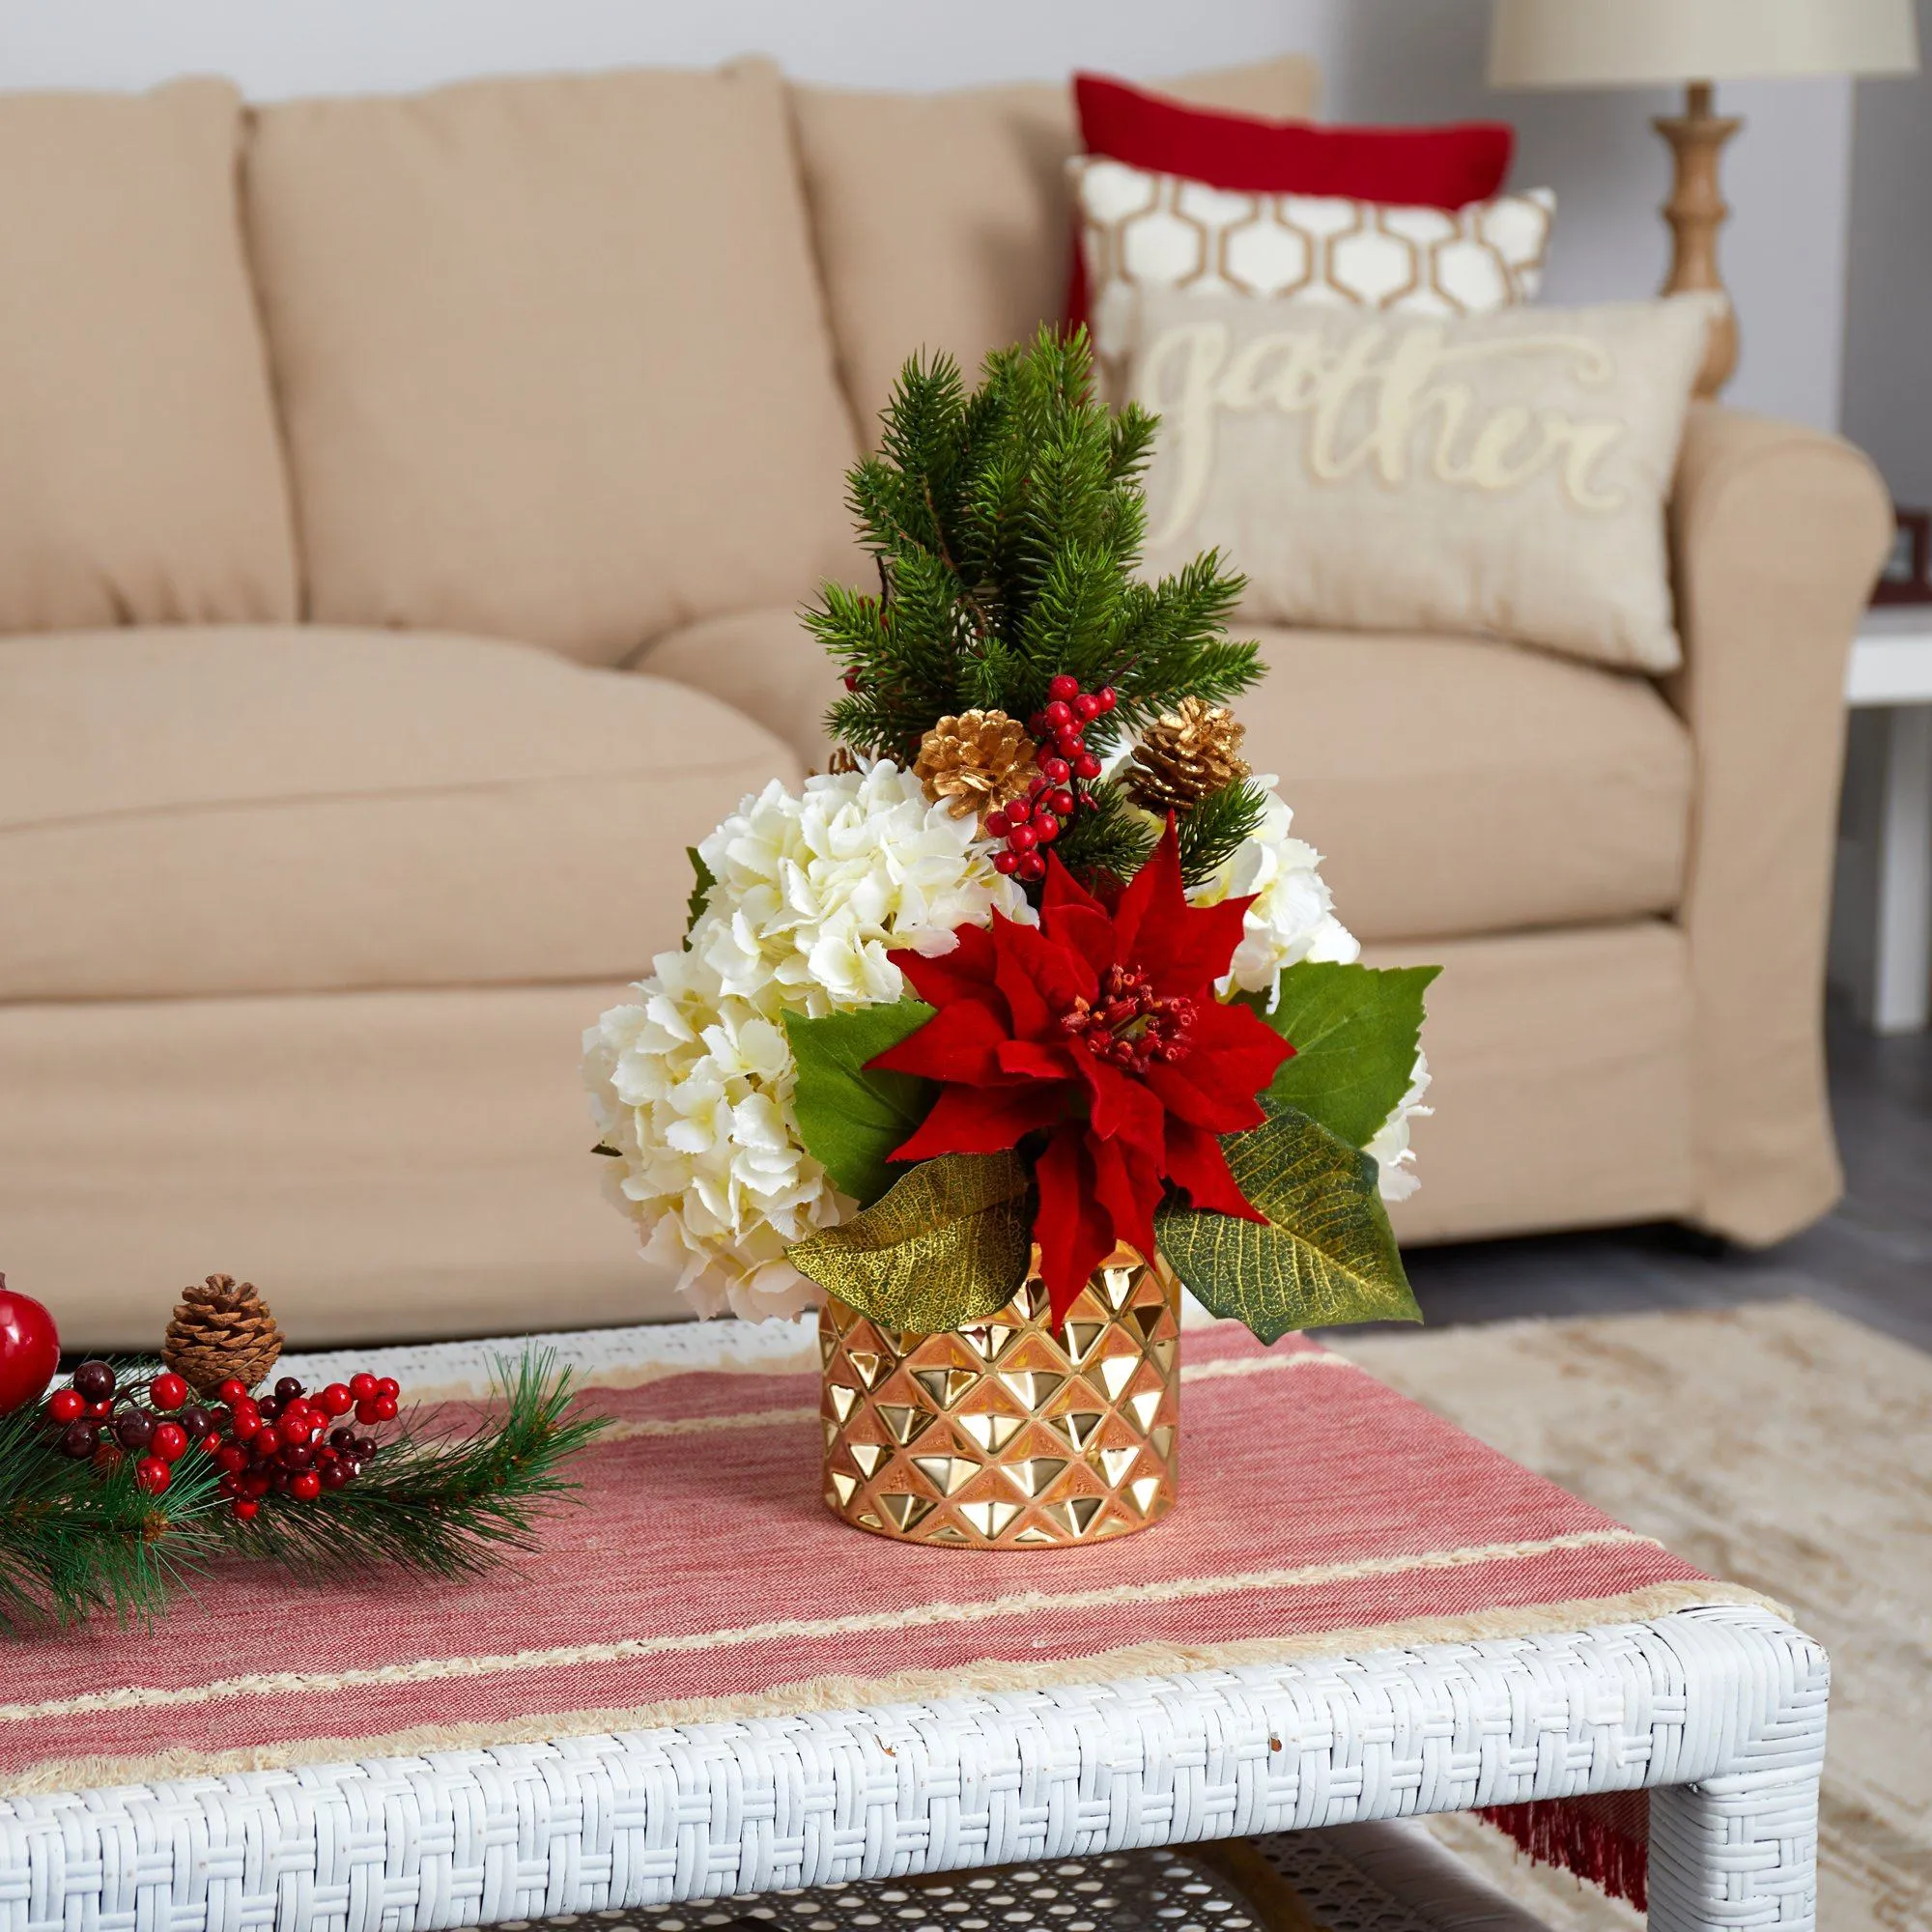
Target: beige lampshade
1627,43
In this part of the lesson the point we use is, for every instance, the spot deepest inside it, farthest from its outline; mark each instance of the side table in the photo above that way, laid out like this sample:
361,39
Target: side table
1882,924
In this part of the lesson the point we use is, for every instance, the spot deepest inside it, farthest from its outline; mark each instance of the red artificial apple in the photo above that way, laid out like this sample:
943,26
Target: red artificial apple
29,1350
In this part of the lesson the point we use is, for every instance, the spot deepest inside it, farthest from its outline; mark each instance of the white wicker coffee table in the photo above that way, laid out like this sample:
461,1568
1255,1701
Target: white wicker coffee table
1720,1713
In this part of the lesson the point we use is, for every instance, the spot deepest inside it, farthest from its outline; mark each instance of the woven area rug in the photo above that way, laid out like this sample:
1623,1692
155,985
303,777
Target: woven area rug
703,1578
1776,1444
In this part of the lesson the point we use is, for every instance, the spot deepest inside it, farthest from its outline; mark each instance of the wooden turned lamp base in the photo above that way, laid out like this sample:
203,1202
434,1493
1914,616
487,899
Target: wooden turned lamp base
1695,211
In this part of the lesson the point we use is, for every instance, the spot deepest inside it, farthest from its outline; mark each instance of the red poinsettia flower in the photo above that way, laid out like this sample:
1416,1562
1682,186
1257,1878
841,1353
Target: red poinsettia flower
1102,1031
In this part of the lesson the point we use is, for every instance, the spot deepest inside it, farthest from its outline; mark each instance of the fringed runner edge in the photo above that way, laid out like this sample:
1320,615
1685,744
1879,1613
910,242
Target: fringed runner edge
1605,1838
822,1694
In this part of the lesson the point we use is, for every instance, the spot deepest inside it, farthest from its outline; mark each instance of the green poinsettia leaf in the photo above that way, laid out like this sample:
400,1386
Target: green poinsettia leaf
948,1244
1354,1031
850,1119
700,890
1326,1254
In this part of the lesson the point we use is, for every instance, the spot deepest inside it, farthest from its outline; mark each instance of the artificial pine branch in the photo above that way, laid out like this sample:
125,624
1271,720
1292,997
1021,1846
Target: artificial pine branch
445,1504
1215,827
1007,526
1111,838
77,1539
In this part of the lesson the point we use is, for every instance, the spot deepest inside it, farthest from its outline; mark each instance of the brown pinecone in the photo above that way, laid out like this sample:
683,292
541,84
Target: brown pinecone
222,1328
1184,754
980,762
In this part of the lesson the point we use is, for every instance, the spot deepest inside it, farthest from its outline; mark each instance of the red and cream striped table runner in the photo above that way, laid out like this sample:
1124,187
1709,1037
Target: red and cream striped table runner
703,1579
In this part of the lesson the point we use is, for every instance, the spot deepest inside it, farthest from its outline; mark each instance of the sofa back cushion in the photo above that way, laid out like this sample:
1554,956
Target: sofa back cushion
140,476
944,221
552,355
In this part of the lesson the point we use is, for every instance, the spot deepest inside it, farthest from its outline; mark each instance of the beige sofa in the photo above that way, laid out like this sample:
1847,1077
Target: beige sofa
403,503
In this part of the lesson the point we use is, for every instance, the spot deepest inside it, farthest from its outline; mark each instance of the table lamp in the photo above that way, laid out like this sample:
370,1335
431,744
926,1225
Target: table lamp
1632,42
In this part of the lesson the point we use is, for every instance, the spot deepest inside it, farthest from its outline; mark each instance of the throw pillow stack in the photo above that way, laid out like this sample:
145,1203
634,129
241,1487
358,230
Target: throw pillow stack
1358,408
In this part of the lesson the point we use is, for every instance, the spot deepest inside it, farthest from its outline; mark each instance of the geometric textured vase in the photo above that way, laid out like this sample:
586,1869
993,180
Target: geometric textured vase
1009,1434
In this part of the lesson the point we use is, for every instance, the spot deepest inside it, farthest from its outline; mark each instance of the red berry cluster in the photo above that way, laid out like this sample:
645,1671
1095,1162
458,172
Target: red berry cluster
276,1445
271,1445
1059,730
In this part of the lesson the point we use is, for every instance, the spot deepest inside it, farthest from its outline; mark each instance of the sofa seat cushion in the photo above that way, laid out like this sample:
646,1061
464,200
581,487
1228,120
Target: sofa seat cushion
552,353
255,810
1458,785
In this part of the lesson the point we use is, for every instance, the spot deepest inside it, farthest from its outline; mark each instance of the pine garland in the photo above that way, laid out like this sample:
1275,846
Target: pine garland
445,1504
81,1537
78,1540
1006,527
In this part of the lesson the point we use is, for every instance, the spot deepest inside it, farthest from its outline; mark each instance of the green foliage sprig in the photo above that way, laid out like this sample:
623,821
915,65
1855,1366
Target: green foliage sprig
1007,526
78,1539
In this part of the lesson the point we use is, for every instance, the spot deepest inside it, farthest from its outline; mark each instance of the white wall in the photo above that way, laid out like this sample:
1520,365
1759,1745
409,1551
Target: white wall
1888,387
1385,59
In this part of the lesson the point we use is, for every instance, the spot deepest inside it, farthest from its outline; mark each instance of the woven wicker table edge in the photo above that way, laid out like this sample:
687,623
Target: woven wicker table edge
1723,1707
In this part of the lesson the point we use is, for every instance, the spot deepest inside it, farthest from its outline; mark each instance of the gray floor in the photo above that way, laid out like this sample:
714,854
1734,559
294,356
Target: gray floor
1870,1260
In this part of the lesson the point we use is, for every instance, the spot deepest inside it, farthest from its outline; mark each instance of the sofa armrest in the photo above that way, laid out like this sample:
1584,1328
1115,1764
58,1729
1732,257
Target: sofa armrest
1777,533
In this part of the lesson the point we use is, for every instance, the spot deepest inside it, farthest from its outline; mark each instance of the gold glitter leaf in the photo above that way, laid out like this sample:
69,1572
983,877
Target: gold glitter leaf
1326,1254
947,1244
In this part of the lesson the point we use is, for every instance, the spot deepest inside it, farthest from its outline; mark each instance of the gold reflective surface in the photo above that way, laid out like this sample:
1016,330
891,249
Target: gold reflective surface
1005,1434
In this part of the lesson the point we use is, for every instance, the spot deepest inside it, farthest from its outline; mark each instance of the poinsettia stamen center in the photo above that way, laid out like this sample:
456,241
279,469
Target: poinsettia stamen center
1128,1024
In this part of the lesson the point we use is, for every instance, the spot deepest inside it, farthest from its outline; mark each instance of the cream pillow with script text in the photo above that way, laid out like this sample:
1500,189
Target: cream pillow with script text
1505,474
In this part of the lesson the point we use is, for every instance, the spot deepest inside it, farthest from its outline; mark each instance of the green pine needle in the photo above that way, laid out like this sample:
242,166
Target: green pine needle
1007,526
1218,826
444,1504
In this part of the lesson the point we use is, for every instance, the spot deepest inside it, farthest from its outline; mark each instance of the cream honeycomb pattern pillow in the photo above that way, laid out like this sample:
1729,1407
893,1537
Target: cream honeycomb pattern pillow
1142,231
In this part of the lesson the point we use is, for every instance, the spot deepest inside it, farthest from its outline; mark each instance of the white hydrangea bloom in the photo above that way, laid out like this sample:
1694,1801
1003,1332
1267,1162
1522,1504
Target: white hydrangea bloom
1395,1171
691,1082
1293,917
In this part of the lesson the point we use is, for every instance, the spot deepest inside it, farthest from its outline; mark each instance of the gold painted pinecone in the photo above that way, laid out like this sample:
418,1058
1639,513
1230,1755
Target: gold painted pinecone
1184,754
222,1328
978,761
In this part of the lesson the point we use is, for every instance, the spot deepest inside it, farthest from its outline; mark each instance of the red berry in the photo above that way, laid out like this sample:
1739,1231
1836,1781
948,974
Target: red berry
246,1508
167,1391
1108,696
232,1391
298,1456
334,1476
362,1386
254,1484
79,1440
1018,813
1058,715
365,1411
1054,771
267,1442
306,1485
1063,687
390,1387
997,827
337,1400
1061,803
851,680
1086,765
1022,839
65,1406
209,1443
1033,866
170,1441
95,1379
1047,826
387,1407
230,1484
245,1421
1007,862
152,1474
100,1411
231,1456
1086,707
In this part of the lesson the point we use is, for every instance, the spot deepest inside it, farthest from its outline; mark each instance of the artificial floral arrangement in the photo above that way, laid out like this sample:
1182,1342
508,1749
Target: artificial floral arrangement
123,1483
1036,973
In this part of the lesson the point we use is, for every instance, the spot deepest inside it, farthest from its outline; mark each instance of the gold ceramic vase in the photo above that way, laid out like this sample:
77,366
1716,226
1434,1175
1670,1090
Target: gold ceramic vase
1007,1434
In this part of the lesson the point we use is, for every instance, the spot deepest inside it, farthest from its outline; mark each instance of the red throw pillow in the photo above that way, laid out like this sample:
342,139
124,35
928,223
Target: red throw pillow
1410,167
